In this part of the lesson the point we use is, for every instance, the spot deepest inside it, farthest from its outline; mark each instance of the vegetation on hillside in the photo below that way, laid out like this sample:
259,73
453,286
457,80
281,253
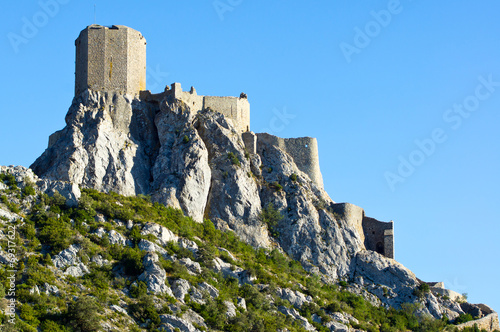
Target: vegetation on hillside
82,303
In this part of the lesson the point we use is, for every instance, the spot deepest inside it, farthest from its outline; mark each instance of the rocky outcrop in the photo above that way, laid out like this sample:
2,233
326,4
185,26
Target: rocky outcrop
181,173
154,275
197,161
25,176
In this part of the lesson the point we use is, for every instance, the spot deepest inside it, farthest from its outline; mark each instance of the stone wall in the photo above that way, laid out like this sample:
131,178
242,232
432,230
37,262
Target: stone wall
379,236
353,215
489,323
250,141
303,150
235,109
110,59
376,235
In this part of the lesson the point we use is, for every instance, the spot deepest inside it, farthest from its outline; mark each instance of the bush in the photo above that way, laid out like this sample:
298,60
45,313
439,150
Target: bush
276,186
421,290
271,217
9,180
144,309
293,177
51,326
132,261
185,139
138,290
463,318
28,190
82,314
234,159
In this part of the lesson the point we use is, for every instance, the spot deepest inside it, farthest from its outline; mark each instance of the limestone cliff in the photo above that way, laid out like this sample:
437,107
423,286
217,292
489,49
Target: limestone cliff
197,161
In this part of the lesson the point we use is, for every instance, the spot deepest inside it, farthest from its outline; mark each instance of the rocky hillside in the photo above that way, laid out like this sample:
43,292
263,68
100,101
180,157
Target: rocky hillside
115,263
262,215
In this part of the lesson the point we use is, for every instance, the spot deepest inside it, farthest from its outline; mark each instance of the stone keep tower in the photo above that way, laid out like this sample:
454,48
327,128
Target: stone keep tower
110,59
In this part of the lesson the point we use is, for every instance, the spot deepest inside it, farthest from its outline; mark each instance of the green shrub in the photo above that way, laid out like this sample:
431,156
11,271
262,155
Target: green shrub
271,217
185,139
144,309
131,260
293,177
138,289
83,314
51,326
234,159
28,190
29,315
463,318
421,290
9,180
276,186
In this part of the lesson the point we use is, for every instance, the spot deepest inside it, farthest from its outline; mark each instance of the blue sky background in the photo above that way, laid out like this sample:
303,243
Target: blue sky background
367,109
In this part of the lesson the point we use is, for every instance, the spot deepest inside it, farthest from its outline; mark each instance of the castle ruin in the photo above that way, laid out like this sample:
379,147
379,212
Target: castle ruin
236,109
376,235
113,59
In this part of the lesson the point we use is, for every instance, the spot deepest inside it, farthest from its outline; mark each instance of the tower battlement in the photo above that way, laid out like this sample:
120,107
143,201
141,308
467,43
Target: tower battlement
110,59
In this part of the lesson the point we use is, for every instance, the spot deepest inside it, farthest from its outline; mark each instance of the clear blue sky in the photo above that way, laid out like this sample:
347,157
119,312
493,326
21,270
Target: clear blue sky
368,79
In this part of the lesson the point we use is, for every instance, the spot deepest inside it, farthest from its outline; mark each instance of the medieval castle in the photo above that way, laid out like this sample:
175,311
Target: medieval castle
113,59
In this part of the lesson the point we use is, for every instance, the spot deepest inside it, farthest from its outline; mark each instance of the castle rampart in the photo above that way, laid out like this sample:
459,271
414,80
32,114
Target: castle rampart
376,235
236,109
303,150
110,59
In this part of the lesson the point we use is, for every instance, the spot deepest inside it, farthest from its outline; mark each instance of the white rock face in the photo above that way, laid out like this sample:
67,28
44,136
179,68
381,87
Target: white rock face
78,270
180,288
164,235
296,298
149,246
67,257
211,290
193,268
182,178
172,323
113,236
154,275
196,161
25,176
97,148
230,309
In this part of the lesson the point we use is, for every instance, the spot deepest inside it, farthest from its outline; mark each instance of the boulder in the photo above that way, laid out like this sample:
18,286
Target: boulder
154,275
180,289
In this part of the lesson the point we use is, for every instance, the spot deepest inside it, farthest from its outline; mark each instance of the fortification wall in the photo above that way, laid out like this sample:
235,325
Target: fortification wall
489,323
233,108
110,59
303,150
353,215
379,236
136,60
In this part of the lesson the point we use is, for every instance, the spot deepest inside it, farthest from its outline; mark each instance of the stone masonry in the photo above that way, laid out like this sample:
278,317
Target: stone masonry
377,235
236,109
303,150
113,59
110,59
